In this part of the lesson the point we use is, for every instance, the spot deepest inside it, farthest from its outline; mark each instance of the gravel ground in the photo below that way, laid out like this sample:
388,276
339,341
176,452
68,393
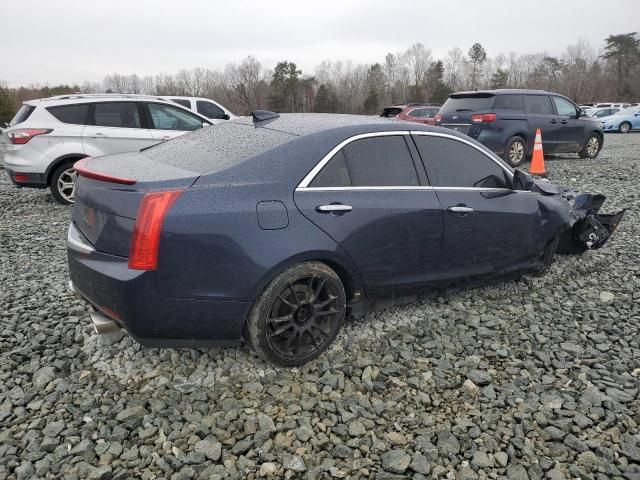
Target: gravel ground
531,379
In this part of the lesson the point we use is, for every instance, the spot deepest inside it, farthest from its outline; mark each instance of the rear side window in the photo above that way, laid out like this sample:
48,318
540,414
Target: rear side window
334,174
452,163
209,110
538,104
467,103
22,114
183,102
116,114
564,107
423,112
370,162
74,114
509,102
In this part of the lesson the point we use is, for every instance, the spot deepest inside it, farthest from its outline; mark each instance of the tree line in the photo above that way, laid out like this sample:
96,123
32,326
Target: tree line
581,72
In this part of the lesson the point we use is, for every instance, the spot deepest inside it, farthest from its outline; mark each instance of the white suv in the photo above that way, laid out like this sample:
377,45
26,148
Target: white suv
204,106
47,136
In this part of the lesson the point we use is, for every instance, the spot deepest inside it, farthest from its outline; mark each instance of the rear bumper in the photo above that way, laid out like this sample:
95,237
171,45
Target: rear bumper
130,298
25,179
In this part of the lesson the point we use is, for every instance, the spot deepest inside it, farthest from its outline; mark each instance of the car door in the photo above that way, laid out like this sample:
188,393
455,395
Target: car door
167,122
635,120
540,114
115,127
571,133
489,229
372,200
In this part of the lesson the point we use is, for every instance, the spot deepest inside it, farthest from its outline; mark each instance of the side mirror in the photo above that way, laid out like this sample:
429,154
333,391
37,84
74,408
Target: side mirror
522,181
226,116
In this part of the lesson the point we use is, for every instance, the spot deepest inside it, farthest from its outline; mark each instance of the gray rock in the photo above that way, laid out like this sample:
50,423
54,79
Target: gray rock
357,428
517,472
420,464
25,471
481,460
209,448
448,444
501,459
479,377
294,463
395,461
135,412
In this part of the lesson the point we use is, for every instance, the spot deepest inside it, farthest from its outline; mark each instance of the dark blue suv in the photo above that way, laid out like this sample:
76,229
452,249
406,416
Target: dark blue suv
506,122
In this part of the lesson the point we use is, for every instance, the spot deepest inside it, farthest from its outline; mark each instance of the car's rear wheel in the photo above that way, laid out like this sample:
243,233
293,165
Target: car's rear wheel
63,184
591,147
516,151
298,315
625,127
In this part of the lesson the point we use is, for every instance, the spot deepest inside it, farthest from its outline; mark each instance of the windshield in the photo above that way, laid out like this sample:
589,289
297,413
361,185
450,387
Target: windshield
467,103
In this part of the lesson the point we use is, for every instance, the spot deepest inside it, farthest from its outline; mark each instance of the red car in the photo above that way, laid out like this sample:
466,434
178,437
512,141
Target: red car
413,112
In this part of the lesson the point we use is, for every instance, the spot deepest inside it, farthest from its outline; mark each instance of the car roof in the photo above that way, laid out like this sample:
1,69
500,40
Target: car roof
301,124
85,98
503,91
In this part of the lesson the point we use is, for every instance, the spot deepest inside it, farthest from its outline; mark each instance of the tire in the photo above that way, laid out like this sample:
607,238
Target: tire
624,127
298,294
591,147
546,258
515,153
63,183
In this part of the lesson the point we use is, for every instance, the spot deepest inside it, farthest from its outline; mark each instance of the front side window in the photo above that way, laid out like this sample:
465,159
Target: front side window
370,162
538,104
166,117
74,114
452,163
209,110
564,107
116,114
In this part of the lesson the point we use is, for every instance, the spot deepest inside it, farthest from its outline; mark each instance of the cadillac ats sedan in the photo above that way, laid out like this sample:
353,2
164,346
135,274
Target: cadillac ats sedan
271,228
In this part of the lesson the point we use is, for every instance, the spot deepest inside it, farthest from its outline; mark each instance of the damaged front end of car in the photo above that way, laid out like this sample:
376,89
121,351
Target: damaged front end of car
585,228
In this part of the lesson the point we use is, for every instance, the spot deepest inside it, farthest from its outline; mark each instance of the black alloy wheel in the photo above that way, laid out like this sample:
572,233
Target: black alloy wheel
298,316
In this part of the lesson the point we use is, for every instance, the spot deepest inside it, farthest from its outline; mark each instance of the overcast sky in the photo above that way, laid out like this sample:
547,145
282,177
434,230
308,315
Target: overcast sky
53,41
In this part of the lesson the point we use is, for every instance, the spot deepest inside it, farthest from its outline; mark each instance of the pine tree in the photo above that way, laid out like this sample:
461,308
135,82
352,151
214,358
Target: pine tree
477,56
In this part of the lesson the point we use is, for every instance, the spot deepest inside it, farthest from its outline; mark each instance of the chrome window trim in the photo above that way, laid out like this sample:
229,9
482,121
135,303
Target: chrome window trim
356,189
304,184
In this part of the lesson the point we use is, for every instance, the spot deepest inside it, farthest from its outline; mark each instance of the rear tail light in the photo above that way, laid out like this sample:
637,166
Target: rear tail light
21,177
146,233
81,169
23,135
438,118
484,117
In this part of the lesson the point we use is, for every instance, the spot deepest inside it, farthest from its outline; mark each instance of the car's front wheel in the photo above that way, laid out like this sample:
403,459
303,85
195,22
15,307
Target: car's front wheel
515,151
625,127
298,315
591,147
63,184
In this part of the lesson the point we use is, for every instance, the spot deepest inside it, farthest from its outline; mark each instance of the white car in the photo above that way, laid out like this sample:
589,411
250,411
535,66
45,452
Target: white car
47,136
204,106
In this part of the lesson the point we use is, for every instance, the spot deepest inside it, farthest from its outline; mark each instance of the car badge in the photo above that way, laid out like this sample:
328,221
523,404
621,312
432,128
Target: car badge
455,117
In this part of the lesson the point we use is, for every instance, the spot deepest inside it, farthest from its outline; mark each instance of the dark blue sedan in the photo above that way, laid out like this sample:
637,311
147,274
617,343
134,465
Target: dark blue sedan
271,228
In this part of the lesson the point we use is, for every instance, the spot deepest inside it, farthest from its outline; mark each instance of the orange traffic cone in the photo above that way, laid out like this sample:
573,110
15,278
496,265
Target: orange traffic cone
537,162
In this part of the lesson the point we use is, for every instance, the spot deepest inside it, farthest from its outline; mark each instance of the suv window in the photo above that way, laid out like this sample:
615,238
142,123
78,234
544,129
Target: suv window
509,102
370,162
564,107
22,114
209,109
391,112
166,117
452,163
182,101
538,104
74,114
116,114
467,103
423,112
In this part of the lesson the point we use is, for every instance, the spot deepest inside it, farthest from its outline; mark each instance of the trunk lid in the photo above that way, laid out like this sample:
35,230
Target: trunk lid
105,208
457,111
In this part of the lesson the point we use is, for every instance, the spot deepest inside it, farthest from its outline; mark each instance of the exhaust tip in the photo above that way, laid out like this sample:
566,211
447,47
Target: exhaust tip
102,324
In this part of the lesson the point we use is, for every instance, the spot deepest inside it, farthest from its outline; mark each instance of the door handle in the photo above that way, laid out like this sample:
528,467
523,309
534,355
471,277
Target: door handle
564,122
460,209
334,208
99,135
166,137
554,121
